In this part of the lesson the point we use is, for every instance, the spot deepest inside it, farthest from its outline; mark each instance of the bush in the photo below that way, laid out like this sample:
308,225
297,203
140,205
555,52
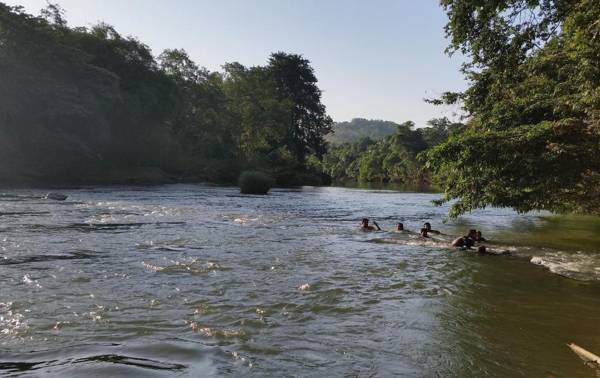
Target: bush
254,182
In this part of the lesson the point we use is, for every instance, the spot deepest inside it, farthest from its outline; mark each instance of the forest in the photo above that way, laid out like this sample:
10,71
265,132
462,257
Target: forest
374,156
88,105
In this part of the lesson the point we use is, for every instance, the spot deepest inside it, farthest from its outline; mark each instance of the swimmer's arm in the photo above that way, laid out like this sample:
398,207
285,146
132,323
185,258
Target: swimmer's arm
376,225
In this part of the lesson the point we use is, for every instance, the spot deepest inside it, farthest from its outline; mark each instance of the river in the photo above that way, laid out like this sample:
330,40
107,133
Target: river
194,280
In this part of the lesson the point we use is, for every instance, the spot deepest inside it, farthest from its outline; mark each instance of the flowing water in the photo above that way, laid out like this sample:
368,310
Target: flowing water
191,280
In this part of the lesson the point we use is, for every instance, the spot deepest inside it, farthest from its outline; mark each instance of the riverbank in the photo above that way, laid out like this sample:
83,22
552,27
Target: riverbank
150,176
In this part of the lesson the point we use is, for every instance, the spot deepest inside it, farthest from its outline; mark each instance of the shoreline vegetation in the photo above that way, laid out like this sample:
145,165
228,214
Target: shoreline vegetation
88,106
532,130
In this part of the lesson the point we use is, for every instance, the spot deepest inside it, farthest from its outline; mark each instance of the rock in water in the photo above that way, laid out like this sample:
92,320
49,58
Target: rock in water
254,182
56,196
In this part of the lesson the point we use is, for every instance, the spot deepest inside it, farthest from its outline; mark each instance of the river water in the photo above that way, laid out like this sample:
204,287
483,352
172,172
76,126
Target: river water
201,281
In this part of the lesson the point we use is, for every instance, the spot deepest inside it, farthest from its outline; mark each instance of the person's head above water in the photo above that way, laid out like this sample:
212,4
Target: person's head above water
427,225
399,227
424,232
481,249
472,233
364,225
468,241
478,234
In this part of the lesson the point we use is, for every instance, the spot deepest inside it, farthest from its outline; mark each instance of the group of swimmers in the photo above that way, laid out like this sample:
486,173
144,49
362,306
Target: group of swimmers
468,241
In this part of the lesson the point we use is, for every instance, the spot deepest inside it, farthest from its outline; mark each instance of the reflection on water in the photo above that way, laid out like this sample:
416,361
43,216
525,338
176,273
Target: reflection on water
389,186
561,232
198,281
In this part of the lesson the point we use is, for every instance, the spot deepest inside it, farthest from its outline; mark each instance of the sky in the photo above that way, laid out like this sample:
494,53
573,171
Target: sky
374,59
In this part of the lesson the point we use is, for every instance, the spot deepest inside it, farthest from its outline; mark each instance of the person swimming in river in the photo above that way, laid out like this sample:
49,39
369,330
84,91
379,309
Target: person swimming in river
400,229
427,226
478,237
424,232
465,242
364,225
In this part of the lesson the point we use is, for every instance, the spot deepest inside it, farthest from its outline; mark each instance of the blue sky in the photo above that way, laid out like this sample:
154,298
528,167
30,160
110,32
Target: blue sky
373,58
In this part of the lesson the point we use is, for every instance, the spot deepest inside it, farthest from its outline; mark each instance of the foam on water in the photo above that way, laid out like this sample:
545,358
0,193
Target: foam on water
577,265
12,322
30,281
175,245
193,266
218,333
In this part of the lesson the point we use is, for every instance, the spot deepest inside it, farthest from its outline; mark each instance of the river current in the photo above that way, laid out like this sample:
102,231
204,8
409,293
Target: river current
191,280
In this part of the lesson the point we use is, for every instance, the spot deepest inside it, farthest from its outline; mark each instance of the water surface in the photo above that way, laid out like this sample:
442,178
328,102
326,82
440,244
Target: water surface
201,281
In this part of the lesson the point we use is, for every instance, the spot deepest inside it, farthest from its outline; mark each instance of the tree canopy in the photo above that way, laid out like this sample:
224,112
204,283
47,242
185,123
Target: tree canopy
532,135
394,158
81,105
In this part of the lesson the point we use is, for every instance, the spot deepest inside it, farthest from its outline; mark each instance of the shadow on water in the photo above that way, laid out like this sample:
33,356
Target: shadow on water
20,213
506,317
538,230
566,232
96,227
376,186
23,367
75,255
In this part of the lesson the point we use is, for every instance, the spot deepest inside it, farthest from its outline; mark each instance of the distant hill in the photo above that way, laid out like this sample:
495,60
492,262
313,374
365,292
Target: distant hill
359,128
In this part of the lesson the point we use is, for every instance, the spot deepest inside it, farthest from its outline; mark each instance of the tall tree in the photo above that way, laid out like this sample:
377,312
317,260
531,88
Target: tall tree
533,106
260,116
296,81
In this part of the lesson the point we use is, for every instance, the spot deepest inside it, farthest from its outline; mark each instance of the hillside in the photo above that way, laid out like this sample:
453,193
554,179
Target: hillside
359,128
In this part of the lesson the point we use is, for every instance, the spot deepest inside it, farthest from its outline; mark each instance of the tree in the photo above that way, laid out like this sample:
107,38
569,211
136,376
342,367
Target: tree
255,107
295,80
439,130
533,107
55,15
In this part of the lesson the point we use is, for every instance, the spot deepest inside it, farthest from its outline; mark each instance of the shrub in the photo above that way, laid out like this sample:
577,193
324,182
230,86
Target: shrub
254,182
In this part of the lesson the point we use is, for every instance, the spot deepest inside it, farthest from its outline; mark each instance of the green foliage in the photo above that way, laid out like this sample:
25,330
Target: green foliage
255,182
533,134
394,158
439,130
359,128
80,103
296,82
261,118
